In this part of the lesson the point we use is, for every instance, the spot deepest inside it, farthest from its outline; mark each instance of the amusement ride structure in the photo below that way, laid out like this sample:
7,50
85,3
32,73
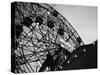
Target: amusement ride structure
42,39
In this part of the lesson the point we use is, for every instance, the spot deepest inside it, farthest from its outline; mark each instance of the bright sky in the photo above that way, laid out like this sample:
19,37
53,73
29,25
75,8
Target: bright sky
82,18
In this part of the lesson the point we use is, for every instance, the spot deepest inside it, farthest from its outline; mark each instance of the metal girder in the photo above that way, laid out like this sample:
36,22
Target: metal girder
42,30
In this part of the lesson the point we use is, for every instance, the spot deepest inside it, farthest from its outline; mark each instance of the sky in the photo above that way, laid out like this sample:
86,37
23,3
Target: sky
82,18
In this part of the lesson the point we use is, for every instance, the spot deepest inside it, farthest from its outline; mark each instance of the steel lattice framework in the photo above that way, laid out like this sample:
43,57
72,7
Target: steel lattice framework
39,29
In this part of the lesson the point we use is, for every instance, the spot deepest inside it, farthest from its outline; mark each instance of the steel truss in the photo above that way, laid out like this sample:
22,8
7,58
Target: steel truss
41,30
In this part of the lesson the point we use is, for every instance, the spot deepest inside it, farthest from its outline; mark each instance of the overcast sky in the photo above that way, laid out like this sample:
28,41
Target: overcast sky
82,18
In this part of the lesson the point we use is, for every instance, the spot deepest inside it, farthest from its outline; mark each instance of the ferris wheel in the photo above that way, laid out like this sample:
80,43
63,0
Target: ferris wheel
41,37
